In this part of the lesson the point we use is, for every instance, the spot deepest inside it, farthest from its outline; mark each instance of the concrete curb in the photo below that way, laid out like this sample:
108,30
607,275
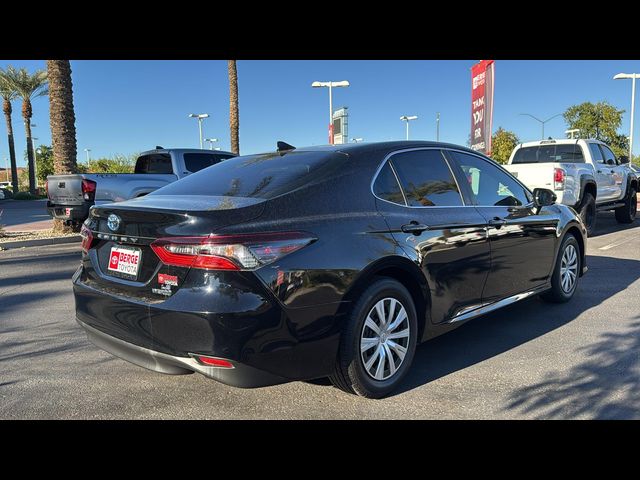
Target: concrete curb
40,242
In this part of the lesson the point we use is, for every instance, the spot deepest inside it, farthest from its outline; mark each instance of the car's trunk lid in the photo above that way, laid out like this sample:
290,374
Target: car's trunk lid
141,221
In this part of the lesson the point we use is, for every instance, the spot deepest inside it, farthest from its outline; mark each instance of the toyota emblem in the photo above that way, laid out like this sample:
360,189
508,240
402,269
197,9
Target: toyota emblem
113,222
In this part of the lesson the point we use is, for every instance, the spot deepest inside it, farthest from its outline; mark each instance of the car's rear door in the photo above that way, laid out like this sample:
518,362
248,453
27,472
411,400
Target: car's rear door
522,238
431,222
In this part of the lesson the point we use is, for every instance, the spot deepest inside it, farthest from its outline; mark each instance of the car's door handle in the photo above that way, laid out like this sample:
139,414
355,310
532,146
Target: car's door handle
497,222
414,228
598,171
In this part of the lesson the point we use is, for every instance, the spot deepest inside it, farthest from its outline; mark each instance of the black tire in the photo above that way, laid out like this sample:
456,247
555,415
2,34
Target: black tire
557,294
588,213
350,374
627,213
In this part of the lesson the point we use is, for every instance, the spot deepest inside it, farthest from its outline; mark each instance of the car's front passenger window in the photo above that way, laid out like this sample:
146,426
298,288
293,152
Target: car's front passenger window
489,185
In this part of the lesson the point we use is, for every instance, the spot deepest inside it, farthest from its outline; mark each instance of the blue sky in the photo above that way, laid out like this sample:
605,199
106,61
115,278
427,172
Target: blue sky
130,106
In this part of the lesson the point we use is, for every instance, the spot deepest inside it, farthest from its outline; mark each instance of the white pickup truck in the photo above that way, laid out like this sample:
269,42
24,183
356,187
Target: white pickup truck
71,196
584,174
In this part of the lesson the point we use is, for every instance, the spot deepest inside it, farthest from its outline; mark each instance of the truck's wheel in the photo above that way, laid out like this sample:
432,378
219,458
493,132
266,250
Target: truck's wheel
627,212
588,213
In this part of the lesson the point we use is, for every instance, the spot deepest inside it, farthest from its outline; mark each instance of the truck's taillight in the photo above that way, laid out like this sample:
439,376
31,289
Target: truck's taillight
229,252
88,190
87,239
558,178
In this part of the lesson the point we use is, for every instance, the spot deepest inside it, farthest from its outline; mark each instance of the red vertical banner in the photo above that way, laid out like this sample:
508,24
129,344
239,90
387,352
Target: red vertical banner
482,81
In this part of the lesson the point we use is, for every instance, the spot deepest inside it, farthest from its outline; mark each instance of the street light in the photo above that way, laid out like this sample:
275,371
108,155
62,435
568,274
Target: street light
357,140
6,164
35,157
331,85
437,126
633,77
211,142
541,121
404,118
200,117
87,150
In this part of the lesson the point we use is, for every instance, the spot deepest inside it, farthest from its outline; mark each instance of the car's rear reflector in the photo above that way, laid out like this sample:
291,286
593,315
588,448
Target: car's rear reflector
229,252
213,361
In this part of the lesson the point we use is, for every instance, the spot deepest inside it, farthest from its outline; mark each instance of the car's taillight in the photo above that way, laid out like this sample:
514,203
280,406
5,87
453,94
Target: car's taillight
229,252
87,239
558,178
88,190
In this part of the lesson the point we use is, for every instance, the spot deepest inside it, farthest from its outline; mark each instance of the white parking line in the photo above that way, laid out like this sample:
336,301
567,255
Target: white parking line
615,244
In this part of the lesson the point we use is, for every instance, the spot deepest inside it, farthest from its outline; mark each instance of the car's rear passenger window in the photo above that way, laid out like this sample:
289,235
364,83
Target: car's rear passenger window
386,186
426,179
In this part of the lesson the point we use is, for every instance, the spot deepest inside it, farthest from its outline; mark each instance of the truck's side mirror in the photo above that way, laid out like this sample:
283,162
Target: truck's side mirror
611,161
623,159
543,197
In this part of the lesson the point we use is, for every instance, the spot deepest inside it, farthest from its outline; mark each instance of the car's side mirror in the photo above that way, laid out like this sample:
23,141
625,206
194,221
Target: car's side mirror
543,197
623,159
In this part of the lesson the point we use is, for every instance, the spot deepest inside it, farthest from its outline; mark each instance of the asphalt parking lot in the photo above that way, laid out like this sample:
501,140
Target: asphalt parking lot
531,360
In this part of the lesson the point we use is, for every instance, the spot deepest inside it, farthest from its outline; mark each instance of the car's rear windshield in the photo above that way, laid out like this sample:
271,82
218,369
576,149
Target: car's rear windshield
567,153
257,176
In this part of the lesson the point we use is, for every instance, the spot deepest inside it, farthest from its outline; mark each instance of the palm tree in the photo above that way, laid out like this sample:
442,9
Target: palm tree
28,86
234,112
62,117
8,95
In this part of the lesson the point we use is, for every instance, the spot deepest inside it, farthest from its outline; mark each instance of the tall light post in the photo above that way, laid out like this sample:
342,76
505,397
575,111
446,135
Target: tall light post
200,117
87,150
407,119
6,164
437,126
541,121
357,140
211,142
632,76
331,85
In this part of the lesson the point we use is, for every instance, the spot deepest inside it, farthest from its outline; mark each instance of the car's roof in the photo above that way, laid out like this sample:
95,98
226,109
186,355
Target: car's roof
363,147
559,141
185,150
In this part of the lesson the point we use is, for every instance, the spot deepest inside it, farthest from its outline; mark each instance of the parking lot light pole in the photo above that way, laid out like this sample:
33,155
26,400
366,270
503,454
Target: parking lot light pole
437,126
541,121
6,164
35,158
633,77
342,83
211,142
407,119
200,117
357,140
87,150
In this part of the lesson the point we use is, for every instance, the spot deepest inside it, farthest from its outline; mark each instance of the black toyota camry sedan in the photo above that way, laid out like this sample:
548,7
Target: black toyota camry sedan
331,261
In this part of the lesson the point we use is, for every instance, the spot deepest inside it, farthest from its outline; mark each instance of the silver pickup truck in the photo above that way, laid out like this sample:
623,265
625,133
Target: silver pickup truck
71,196
583,173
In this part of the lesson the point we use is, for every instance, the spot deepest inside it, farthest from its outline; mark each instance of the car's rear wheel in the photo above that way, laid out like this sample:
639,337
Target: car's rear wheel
566,272
588,213
378,341
627,213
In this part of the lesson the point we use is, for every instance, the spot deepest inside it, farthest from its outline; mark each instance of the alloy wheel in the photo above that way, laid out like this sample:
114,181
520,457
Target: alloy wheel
569,268
384,339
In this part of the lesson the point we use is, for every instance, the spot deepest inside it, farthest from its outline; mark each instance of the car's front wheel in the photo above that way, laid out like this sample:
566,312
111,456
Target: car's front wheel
627,213
566,272
378,341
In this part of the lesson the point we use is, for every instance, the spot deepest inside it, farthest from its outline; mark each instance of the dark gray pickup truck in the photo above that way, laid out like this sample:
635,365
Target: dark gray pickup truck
71,196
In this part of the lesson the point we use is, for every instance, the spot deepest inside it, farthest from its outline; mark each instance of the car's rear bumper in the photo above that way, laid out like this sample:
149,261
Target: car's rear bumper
69,212
232,316
240,375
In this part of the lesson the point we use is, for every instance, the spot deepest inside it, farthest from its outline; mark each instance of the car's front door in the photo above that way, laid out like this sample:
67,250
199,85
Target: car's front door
604,174
430,221
522,238
615,171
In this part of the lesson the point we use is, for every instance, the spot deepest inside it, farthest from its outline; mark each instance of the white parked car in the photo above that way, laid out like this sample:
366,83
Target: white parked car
584,174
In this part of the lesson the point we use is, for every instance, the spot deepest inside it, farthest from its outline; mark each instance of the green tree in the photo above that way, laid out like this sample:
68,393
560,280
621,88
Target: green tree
28,86
8,95
600,121
44,162
502,144
116,164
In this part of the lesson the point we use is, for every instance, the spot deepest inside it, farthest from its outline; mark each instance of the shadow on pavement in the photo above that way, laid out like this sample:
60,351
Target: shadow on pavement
486,337
605,386
607,223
